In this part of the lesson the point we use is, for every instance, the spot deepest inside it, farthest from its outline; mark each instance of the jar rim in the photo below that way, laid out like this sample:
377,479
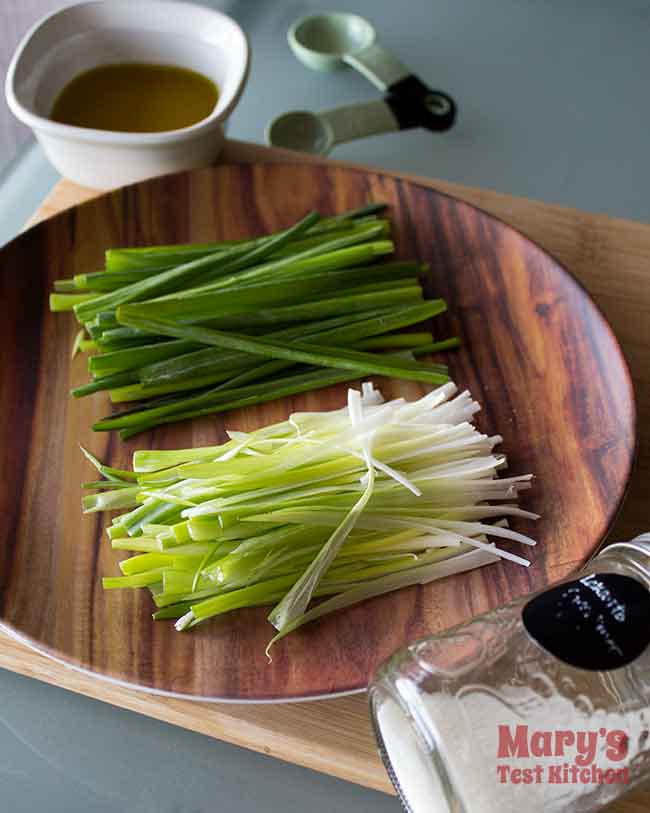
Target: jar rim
638,549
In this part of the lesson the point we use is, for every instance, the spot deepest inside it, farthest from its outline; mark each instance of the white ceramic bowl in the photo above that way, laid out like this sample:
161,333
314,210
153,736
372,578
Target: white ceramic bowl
98,32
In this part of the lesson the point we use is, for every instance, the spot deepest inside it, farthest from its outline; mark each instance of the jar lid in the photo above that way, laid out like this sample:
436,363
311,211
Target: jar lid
638,549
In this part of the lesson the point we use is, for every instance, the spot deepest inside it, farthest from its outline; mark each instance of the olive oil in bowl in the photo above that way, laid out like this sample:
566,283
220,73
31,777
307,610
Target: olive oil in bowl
136,98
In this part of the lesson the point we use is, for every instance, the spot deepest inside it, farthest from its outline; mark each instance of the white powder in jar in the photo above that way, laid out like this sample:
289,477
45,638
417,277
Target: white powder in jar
467,727
419,784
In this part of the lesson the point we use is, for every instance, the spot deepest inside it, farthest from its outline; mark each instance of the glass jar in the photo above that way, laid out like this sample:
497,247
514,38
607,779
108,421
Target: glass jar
541,705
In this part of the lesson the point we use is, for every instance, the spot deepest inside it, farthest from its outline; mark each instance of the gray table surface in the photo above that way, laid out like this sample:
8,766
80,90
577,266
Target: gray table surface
553,106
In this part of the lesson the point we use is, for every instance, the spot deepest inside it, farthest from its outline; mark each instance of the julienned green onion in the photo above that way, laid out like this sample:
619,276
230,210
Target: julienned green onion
224,399
232,394
189,330
105,382
297,351
76,344
67,302
121,259
337,330
203,367
131,358
363,246
223,262
347,504
248,298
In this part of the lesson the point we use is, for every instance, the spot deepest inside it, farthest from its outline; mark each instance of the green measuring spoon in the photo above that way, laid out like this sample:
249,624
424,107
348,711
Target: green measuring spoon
329,41
325,42
318,133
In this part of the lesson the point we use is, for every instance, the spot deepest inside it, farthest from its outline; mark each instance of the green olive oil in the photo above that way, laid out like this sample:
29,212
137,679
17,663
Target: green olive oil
136,98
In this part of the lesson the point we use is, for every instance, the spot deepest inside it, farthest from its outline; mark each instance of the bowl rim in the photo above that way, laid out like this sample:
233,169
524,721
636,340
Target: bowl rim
90,134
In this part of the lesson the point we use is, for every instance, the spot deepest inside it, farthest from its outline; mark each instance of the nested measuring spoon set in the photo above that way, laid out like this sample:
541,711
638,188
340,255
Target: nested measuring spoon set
326,42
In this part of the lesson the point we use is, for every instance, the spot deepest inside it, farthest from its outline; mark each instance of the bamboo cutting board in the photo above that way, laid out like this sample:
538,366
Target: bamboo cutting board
334,736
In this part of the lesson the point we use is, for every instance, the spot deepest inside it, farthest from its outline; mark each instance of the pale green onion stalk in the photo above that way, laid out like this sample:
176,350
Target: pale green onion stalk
341,505
77,341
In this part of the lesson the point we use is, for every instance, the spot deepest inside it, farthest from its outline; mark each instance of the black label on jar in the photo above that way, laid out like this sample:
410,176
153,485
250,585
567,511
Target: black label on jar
597,622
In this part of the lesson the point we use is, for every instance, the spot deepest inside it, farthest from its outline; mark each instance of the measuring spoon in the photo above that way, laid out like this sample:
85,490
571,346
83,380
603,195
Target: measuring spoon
318,133
329,41
325,42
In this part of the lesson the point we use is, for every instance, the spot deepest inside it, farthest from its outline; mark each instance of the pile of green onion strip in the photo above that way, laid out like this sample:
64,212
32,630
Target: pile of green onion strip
340,506
191,330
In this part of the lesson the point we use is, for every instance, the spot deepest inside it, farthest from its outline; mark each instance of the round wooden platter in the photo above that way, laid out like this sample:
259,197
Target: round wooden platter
536,353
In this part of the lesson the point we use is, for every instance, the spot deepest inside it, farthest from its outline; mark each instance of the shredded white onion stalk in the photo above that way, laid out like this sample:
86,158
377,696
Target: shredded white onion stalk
344,505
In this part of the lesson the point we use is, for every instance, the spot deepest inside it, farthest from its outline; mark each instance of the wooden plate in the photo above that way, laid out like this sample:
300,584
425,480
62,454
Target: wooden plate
536,352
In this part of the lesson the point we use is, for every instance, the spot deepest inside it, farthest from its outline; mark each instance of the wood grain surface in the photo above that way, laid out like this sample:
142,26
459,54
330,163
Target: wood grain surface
536,353
611,258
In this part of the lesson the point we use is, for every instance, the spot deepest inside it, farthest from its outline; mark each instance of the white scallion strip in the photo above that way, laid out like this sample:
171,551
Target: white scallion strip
341,506
294,604
385,584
